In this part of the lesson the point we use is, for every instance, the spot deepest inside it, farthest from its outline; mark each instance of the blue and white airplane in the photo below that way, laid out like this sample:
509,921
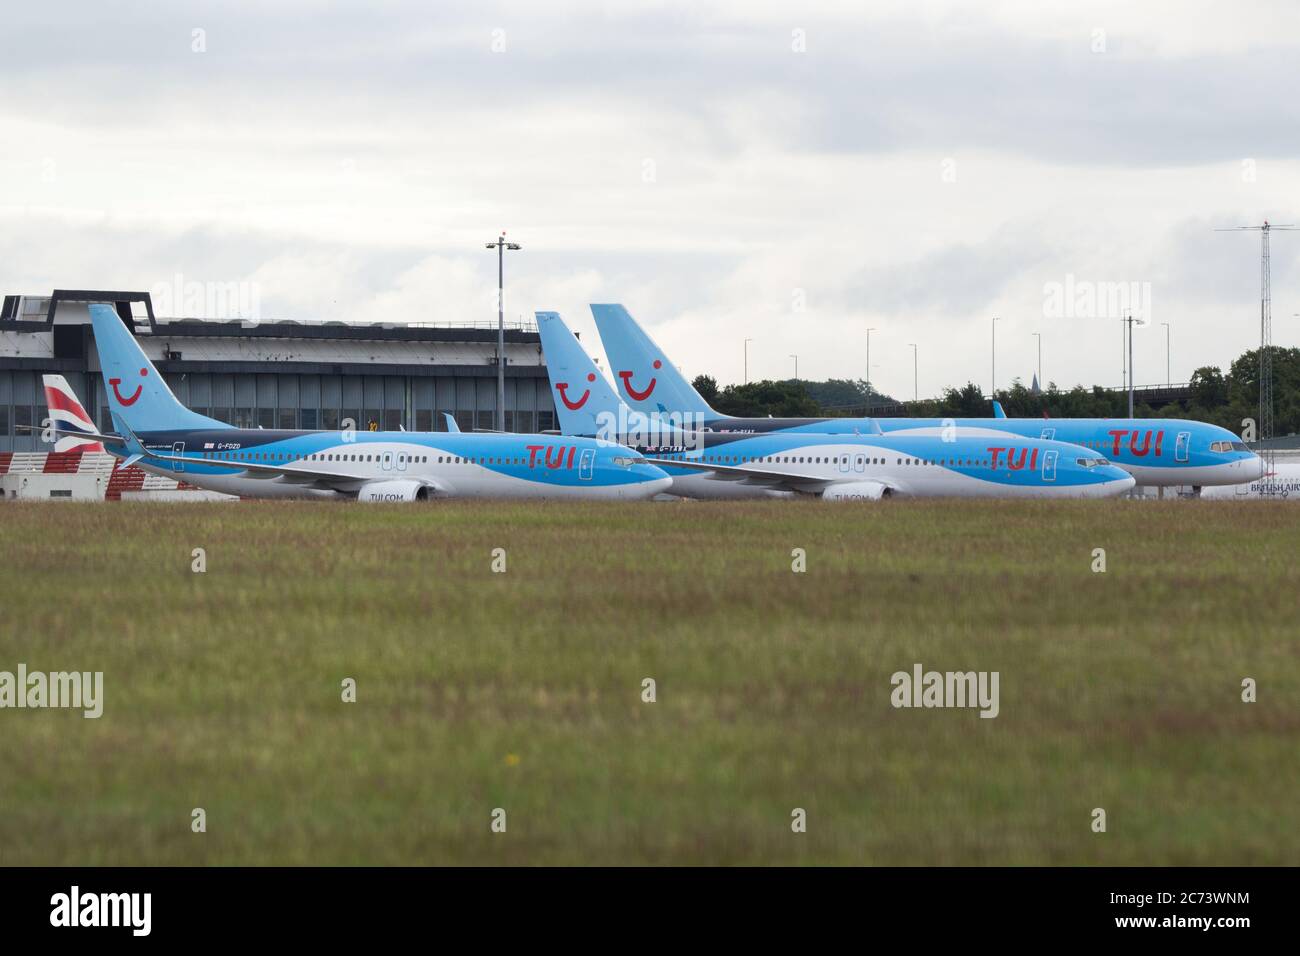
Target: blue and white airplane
1157,452
156,431
1280,484
924,462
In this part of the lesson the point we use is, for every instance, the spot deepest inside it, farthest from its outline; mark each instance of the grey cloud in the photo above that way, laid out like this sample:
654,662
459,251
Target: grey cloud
958,279
865,87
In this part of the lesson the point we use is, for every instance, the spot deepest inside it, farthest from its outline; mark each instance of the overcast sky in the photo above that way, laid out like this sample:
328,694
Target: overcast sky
789,173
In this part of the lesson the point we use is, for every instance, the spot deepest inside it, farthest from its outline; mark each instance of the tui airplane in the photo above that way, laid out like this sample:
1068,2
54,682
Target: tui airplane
923,462
154,430
1157,452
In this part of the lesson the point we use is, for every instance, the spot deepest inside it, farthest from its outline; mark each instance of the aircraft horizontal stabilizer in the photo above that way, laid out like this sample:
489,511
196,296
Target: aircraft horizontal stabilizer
73,432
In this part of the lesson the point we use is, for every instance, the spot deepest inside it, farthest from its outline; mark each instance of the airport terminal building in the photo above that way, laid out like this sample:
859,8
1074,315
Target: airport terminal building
276,374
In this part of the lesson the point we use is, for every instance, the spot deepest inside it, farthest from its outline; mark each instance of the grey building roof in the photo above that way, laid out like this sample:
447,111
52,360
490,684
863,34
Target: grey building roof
57,338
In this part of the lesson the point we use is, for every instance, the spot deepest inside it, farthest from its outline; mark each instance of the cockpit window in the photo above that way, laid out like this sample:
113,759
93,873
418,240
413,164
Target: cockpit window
1091,462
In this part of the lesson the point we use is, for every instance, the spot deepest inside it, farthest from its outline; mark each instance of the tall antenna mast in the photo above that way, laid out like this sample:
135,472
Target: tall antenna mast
1264,427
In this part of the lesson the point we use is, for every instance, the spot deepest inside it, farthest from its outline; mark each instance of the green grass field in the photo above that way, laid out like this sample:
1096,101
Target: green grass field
522,690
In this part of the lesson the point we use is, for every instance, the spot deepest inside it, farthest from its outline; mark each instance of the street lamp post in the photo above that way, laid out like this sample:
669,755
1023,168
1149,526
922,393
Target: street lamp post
1123,351
1039,336
1168,378
1129,322
747,341
916,394
501,246
796,366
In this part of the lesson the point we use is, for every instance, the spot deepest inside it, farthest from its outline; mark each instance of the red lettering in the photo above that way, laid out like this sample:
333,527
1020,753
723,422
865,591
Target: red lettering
1118,435
1033,461
532,454
559,456
1146,444
572,452
1012,464
1160,437
997,453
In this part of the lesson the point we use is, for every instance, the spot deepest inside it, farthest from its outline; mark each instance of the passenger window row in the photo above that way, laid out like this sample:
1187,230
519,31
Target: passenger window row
833,460
327,457
284,457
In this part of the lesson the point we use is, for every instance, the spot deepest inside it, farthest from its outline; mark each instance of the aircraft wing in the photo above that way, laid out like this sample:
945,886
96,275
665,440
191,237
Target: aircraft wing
750,475
292,474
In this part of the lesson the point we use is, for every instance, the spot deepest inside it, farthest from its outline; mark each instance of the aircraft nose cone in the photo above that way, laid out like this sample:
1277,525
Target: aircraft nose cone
1121,484
658,486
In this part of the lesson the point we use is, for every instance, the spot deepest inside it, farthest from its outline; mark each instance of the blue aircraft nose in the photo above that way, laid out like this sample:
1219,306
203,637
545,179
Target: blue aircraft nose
1106,481
658,480
1124,480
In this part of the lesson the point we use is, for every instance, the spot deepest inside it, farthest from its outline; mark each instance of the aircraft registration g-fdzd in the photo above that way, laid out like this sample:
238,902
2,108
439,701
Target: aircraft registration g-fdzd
1157,452
163,436
934,462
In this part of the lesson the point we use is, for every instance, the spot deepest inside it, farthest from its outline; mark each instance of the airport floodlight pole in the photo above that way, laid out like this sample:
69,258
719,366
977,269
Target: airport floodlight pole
796,366
1129,320
747,341
1168,379
1123,353
1039,336
501,246
869,331
915,392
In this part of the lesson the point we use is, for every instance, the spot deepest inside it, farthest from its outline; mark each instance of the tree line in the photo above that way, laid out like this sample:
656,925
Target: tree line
1223,398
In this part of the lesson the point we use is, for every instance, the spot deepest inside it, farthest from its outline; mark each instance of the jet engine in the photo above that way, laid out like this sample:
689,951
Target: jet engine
857,491
402,489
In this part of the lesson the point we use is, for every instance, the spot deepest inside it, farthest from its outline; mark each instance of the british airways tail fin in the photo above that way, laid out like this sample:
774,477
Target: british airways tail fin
137,395
585,401
67,416
647,381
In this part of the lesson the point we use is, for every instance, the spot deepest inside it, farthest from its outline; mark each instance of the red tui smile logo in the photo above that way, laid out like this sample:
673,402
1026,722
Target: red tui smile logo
571,405
631,391
115,382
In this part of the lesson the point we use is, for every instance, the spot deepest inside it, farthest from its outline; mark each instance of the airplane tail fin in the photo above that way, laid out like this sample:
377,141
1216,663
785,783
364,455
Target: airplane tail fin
997,410
647,381
585,401
68,415
137,395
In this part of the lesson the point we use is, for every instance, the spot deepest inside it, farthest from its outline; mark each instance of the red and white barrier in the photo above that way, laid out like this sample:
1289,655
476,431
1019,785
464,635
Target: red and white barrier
77,462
